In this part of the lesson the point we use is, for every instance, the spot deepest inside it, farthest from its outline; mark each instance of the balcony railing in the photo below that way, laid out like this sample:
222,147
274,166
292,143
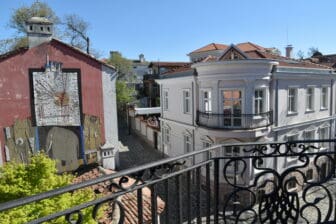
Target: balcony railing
234,121
276,182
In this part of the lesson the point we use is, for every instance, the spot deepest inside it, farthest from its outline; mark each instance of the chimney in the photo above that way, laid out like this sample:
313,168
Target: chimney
289,49
39,30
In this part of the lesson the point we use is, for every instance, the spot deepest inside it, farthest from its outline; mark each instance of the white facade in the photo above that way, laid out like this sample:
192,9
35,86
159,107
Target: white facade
272,103
110,116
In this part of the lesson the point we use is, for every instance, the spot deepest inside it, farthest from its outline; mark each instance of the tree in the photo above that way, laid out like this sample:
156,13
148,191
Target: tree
124,94
72,28
314,51
124,90
123,66
39,9
300,54
76,30
20,180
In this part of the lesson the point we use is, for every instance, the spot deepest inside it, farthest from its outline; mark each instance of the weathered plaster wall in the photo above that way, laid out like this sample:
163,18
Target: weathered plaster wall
15,93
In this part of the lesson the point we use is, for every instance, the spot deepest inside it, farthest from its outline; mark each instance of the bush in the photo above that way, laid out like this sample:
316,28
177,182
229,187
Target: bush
20,180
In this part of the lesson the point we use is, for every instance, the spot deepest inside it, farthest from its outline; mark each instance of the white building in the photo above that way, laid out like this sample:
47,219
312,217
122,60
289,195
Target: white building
245,95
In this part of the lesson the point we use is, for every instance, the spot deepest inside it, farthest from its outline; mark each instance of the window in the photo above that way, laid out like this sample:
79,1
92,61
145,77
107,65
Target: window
292,100
309,135
186,101
309,174
187,143
206,95
206,145
291,138
231,151
259,101
234,167
232,107
207,154
324,97
310,99
324,134
31,27
165,99
291,184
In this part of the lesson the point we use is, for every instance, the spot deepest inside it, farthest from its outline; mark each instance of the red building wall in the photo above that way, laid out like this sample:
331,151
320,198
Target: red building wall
15,93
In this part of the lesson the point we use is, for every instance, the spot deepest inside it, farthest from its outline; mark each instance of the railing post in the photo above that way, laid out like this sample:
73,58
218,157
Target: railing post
216,190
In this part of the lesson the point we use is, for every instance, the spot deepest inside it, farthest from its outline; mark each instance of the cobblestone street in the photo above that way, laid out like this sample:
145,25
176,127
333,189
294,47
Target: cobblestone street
136,150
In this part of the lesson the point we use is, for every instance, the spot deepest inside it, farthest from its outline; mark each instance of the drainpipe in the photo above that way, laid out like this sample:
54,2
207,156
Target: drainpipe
82,144
275,110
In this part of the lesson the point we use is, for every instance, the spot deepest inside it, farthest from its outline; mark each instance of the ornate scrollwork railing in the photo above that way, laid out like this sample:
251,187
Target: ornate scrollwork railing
278,182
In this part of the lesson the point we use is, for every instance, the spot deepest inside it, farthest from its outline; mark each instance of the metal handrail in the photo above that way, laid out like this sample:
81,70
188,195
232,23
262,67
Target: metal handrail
255,154
234,121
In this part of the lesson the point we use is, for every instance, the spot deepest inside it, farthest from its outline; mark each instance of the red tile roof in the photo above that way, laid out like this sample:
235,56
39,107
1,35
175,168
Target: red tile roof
129,200
283,61
210,47
169,64
23,49
248,46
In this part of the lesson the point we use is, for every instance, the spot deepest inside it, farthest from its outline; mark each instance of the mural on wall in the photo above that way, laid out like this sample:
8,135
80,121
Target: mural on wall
92,137
19,142
92,133
56,97
63,145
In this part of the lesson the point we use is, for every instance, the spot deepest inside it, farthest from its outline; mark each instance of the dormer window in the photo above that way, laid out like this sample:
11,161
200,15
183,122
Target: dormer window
234,56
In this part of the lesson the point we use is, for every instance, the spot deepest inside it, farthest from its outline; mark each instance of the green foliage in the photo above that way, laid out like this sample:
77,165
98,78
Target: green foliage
125,94
314,51
22,14
19,180
300,54
123,65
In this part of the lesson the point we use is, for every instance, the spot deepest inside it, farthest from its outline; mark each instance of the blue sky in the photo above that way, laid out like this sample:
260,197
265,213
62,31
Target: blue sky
167,30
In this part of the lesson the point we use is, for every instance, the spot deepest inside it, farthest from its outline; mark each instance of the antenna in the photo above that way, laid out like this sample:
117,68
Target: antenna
287,35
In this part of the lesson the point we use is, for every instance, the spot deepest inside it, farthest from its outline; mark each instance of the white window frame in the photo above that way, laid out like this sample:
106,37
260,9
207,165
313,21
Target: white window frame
206,101
292,137
324,101
257,101
187,142
186,101
290,98
310,99
310,131
165,99
242,99
305,137
324,145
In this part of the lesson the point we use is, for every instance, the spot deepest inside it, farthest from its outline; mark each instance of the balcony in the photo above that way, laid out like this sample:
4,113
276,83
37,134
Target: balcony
234,121
207,186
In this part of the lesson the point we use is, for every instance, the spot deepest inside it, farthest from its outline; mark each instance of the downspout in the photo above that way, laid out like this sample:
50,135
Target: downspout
331,106
161,126
275,109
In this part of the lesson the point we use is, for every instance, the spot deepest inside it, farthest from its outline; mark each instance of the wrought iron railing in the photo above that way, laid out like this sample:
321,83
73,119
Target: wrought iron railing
234,121
277,182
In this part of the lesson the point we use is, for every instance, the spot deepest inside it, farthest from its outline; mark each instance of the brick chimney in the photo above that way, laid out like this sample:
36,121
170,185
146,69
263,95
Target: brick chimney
39,30
289,49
